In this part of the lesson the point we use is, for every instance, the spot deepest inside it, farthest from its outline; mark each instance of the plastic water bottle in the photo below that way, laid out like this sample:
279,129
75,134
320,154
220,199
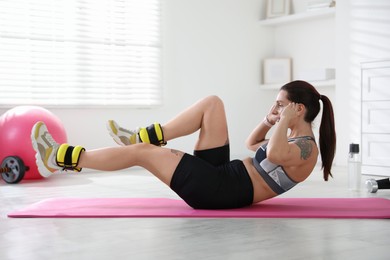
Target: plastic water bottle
354,168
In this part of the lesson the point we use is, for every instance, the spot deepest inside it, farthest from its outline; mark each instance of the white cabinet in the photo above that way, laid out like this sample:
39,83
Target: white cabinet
375,84
307,38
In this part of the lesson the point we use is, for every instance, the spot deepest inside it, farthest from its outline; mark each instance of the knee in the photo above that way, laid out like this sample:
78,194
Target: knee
214,101
140,150
140,153
142,146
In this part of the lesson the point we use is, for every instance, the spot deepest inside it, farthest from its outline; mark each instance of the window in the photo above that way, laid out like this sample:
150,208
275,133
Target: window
80,52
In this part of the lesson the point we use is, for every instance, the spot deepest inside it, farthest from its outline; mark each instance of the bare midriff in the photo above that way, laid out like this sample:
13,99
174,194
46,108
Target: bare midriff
261,190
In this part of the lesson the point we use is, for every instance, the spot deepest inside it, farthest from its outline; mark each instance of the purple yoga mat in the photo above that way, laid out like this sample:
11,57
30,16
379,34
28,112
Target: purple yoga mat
369,208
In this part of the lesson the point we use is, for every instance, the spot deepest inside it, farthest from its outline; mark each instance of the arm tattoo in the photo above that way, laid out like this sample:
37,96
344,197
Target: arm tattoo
306,148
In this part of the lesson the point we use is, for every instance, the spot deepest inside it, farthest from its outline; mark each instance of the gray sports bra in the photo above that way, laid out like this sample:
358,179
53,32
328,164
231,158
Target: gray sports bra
273,174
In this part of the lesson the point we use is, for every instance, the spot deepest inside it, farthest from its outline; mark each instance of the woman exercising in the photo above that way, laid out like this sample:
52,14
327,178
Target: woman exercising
208,179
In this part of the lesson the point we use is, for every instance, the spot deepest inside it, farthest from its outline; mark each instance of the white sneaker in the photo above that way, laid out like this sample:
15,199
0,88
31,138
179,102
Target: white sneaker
45,148
121,135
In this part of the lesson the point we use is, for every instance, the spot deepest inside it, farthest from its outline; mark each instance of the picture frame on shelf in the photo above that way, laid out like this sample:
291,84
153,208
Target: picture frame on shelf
277,8
276,70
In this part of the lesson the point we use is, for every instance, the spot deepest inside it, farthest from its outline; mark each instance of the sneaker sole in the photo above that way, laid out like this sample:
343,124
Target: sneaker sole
43,171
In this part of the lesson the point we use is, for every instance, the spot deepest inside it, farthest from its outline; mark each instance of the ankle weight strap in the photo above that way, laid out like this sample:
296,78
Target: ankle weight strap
152,134
68,157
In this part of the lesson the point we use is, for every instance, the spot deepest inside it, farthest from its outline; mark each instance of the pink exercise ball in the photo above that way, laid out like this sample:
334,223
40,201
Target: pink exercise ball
15,134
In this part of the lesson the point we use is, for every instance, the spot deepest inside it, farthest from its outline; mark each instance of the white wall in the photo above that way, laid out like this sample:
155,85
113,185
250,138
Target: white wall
216,47
209,47
311,45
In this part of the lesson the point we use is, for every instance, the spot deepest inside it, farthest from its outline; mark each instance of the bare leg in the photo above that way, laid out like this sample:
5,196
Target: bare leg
162,162
208,115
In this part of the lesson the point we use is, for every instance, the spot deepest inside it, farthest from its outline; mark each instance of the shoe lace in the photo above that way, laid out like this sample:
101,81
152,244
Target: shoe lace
49,138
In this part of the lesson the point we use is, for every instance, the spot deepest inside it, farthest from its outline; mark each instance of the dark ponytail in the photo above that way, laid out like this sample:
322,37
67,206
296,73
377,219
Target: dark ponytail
327,137
304,93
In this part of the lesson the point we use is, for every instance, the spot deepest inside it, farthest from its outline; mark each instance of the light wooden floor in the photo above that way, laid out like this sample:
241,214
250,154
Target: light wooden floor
180,238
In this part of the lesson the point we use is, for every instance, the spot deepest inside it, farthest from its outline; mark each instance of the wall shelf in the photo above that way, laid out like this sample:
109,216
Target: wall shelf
316,84
298,17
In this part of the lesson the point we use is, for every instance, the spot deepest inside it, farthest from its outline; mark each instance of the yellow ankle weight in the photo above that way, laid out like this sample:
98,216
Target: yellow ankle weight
68,157
152,134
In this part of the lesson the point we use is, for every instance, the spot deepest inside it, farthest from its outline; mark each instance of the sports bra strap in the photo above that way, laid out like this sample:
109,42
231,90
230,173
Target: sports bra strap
307,137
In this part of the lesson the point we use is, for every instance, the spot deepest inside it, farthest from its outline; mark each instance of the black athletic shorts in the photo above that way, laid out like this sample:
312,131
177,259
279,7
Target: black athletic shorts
209,180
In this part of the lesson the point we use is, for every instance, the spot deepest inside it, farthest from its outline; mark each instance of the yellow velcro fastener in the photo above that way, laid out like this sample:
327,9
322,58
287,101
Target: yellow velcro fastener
76,157
61,154
76,154
159,133
144,136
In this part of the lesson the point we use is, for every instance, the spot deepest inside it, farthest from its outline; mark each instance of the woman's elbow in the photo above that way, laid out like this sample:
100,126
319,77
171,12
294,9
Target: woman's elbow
275,157
250,147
